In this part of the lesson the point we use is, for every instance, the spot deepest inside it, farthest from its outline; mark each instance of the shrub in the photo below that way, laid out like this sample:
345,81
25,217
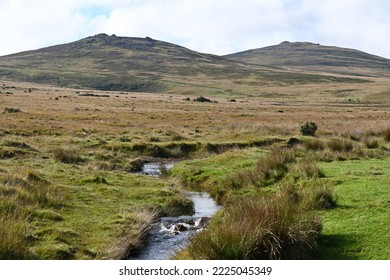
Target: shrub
309,129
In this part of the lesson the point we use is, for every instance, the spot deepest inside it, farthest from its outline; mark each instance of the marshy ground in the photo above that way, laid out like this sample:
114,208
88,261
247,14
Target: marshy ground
69,187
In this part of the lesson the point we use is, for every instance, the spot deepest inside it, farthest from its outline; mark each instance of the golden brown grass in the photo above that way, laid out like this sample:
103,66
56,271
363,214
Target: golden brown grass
273,110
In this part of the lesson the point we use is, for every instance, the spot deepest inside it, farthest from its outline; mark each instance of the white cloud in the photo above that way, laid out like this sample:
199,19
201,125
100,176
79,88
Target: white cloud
213,26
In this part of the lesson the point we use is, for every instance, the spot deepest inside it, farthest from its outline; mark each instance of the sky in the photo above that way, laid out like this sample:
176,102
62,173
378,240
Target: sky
208,26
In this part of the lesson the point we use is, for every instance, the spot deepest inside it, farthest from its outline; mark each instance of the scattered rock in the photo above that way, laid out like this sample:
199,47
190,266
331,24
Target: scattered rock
175,225
202,222
202,99
94,95
12,110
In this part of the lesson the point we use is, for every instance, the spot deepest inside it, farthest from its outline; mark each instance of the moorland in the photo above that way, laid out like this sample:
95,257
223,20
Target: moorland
79,120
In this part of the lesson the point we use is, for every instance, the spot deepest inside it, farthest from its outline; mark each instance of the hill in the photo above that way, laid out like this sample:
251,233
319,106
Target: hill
106,62
314,57
143,64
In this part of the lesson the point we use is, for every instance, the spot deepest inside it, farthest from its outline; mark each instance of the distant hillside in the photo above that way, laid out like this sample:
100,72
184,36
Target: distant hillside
314,57
144,64
106,62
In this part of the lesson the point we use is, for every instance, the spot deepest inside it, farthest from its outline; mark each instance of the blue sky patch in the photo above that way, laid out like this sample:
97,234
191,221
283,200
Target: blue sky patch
95,11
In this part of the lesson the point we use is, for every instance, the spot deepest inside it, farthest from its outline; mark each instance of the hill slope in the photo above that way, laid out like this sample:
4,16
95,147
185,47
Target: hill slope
314,57
142,64
106,62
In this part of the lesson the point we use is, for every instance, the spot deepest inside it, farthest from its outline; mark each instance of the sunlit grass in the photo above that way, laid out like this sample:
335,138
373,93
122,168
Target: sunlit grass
359,227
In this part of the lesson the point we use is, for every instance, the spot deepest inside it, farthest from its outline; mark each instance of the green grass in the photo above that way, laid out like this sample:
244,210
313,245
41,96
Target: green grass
359,227
208,173
51,208
235,172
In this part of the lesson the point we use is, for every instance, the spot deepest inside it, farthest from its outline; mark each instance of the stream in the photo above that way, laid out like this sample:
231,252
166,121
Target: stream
171,234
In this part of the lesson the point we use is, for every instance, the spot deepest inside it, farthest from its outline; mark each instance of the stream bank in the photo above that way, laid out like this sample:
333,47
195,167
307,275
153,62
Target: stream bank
171,234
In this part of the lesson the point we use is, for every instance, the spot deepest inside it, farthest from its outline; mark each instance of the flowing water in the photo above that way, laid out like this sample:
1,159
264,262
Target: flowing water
154,169
171,234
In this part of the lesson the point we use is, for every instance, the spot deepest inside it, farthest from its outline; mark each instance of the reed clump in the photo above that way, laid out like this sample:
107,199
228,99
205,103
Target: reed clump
271,227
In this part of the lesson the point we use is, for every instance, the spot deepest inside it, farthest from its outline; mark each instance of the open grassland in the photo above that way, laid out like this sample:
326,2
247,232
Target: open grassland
359,227
67,211
338,108
69,157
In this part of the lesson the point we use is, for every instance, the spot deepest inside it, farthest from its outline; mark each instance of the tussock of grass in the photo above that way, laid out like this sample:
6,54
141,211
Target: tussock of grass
317,195
133,238
179,205
274,167
17,144
67,156
307,168
371,142
386,135
233,171
340,145
135,165
36,179
268,170
20,202
96,179
14,243
259,228
314,144
34,190
323,198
